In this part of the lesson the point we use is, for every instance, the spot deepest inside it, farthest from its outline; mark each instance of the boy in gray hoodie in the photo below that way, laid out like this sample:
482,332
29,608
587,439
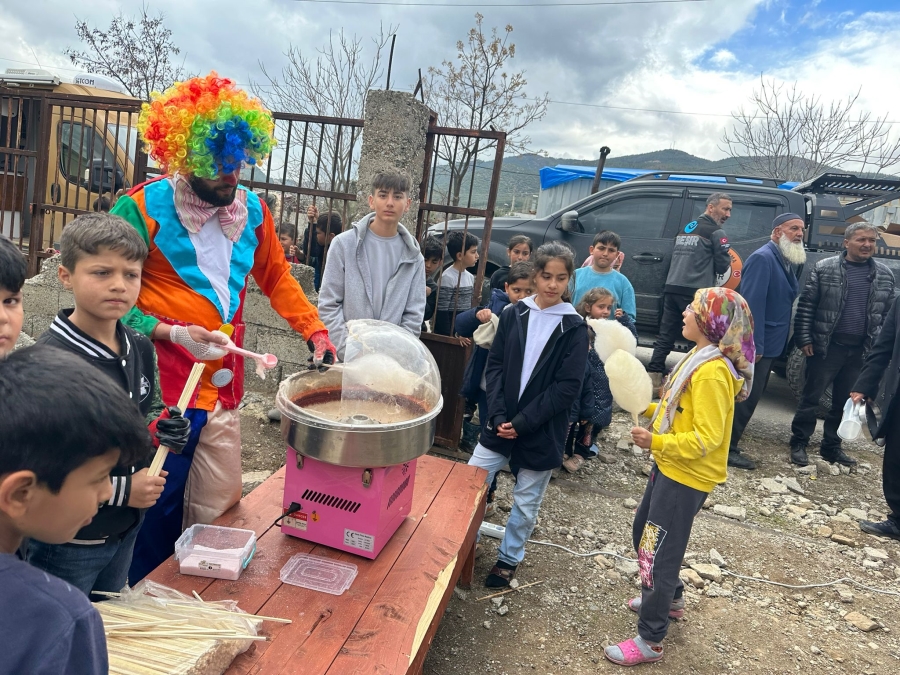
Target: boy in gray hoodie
375,270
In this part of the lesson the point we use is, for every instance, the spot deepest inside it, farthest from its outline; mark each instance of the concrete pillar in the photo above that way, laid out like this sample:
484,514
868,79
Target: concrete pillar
394,135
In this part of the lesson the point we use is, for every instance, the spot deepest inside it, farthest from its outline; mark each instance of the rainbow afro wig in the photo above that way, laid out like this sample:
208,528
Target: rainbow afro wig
205,125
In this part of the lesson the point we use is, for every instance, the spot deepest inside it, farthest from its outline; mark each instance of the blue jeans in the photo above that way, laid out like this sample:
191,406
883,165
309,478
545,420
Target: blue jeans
527,497
98,567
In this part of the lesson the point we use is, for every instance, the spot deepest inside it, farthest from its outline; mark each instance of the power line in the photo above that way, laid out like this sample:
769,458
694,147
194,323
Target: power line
554,101
653,110
496,4
32,63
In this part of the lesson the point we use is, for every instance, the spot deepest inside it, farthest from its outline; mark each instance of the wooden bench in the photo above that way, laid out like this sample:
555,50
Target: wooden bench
387,619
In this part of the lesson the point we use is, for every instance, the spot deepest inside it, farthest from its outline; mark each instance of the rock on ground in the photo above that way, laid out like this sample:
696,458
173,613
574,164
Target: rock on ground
735,512
864,623
708,572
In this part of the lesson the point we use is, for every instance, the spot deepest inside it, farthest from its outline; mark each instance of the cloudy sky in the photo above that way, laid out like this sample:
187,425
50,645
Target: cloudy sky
607,68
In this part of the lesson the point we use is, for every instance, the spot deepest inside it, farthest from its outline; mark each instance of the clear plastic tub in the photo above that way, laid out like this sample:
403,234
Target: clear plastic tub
217,552
318,574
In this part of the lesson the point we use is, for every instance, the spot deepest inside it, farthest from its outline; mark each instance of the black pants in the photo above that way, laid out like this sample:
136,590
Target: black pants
669,329
743,411
661,529
839,368
890,479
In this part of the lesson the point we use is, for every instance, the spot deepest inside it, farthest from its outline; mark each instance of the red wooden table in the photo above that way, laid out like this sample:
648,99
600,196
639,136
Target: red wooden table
387,619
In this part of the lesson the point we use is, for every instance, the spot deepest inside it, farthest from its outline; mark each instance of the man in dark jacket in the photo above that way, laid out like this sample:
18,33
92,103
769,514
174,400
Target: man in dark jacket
881,411
701,253
838,318
769,285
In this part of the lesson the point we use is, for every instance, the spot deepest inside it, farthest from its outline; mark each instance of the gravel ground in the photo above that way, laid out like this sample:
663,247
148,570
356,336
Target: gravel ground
774,524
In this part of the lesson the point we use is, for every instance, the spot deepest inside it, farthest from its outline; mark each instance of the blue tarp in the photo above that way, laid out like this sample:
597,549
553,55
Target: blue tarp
562,173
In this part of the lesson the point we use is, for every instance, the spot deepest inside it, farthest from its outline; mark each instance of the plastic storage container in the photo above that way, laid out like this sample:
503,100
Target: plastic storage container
217,552
318,574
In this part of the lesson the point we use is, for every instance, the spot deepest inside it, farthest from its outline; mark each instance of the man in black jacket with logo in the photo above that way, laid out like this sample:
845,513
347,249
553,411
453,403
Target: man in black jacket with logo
701,253
839,315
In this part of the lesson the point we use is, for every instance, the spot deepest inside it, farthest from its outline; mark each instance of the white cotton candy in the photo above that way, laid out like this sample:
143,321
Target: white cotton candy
629,382
610,336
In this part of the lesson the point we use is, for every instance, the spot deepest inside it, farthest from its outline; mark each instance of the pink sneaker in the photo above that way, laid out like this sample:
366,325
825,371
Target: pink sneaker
634,651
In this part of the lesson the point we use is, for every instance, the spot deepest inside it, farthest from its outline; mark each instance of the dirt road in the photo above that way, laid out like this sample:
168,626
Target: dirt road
774,524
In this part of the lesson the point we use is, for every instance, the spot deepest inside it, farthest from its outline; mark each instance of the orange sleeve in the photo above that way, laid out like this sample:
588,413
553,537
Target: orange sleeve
273,274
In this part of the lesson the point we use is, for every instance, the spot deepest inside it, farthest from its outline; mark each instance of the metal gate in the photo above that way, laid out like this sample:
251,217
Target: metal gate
60,156
462,172
19,157
314,163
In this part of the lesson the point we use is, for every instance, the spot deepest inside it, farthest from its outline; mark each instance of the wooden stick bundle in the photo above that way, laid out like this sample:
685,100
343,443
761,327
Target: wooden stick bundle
162,636
183,402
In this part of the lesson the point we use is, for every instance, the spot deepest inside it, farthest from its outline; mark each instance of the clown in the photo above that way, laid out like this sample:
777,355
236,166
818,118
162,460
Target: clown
206,234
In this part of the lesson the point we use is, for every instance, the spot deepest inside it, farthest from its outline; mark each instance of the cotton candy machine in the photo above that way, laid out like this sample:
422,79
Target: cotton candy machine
353,435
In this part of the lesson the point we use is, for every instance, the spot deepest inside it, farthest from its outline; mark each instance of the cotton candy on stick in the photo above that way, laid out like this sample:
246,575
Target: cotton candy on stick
629,382
610,336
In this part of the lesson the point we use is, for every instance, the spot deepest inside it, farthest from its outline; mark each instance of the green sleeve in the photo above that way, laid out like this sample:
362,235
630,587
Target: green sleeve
125,207
140,322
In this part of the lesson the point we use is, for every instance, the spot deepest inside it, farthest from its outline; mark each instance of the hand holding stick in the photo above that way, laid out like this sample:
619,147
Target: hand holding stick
185,399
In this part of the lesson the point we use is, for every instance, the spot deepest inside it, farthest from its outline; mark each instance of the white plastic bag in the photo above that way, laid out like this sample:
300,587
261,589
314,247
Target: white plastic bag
851,422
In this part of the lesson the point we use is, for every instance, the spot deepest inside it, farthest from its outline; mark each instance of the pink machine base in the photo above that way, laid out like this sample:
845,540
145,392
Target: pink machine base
350,509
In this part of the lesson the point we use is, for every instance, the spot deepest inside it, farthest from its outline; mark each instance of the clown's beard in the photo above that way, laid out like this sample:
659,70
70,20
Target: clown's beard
210,196
794,253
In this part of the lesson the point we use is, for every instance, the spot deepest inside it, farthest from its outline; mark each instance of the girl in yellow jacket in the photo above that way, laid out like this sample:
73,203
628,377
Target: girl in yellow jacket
691,428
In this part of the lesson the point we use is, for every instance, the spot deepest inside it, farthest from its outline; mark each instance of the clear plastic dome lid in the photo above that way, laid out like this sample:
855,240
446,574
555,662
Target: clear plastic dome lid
388,378
386,364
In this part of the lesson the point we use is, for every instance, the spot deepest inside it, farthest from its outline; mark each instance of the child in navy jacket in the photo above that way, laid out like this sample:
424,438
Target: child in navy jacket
533,376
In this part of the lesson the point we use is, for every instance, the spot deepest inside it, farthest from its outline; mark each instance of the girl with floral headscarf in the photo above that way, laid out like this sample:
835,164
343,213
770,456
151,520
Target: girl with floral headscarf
689,433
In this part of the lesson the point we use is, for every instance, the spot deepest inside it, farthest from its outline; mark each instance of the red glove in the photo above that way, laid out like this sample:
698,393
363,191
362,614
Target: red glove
323,352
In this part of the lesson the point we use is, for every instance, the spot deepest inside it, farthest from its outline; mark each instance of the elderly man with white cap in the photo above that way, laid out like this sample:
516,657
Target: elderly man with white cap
769,284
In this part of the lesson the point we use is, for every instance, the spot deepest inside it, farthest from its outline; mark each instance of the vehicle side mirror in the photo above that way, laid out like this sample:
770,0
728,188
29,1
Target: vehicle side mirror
569,222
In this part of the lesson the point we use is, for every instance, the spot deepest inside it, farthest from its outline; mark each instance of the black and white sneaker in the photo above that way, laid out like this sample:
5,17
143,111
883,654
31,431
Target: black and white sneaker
886,528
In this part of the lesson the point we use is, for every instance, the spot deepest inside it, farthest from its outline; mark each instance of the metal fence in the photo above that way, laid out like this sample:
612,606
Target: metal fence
62,155
312,170
19,159
462,173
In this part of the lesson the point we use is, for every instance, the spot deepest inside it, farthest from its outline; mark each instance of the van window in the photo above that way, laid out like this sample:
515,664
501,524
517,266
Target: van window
79,146
748,221
641,217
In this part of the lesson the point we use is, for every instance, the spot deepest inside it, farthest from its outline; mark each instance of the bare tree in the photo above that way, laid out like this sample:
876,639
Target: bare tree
788,135
135,51
476,92
333,83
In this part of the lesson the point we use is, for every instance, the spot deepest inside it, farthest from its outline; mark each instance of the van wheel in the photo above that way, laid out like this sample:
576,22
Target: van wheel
796,377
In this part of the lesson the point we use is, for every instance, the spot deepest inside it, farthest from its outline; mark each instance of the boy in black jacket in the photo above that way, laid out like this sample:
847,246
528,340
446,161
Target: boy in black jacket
102,258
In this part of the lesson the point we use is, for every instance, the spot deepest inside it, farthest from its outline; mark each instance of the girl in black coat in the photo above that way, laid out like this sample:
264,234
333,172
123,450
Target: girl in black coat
533,375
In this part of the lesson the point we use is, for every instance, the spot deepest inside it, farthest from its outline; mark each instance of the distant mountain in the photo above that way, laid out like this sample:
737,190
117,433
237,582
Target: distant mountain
520,181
